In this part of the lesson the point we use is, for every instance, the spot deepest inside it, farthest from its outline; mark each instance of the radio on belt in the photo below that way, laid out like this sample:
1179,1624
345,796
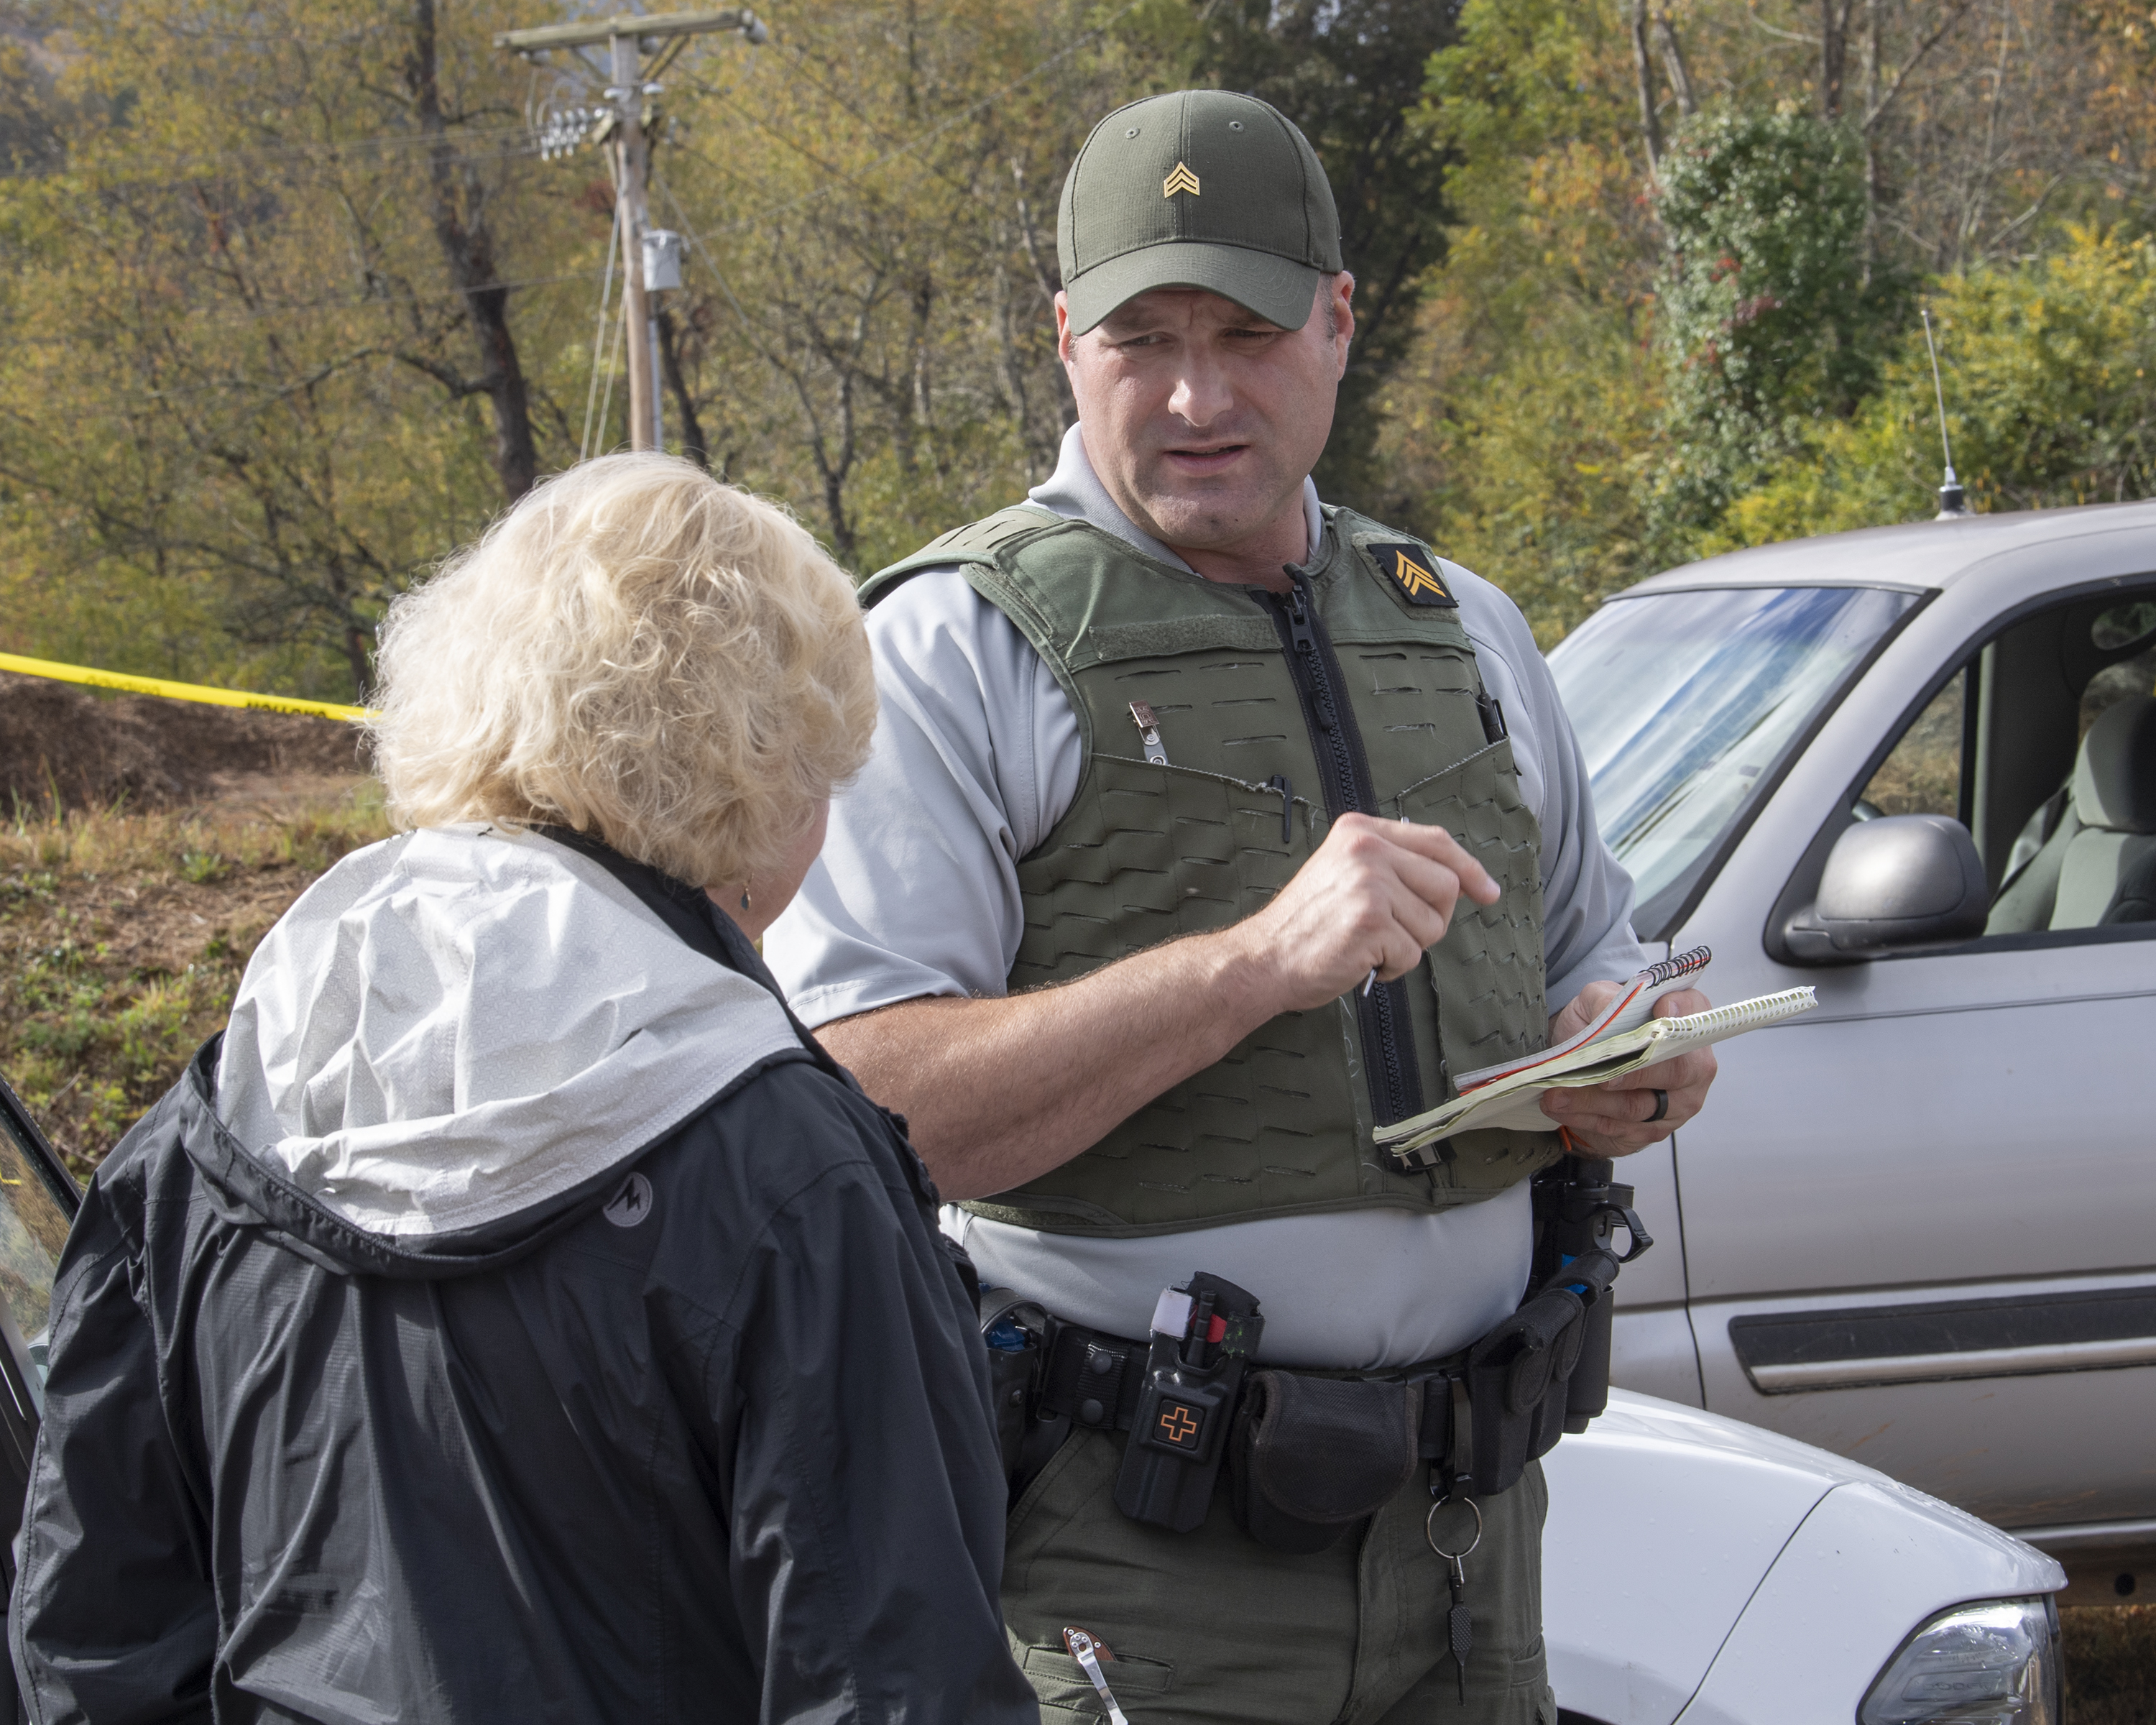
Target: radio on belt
1203,1334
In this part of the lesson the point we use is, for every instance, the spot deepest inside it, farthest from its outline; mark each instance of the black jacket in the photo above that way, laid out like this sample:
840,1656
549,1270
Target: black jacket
702,1436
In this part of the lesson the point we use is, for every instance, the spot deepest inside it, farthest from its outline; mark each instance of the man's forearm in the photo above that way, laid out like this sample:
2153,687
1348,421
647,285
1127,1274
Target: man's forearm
997,1092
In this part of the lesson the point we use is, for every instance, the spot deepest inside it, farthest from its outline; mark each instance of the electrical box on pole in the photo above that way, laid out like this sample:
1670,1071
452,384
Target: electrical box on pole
652,257
662,260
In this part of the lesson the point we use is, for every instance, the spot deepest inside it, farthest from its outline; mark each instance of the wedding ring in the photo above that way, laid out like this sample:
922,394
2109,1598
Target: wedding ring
1661,1106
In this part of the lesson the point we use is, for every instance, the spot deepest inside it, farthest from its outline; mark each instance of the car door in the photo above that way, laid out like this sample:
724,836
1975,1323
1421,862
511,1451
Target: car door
1920,1221
1688,702
37,1203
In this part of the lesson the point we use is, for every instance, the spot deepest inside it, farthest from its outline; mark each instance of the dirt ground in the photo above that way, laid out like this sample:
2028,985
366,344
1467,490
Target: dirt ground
145,846
79,748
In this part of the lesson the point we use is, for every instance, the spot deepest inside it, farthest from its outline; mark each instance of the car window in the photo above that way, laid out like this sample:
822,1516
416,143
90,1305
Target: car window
1923,775
2130,627
1997,748
1687,703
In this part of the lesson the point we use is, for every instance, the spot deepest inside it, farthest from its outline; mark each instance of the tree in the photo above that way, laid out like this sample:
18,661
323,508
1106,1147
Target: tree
234,420
2051,392
32,117
867,325
1515,430
1350,74
459,195
1768,318
289,306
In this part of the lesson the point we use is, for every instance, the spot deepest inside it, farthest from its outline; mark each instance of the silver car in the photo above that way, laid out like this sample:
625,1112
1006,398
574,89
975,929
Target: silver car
1916,769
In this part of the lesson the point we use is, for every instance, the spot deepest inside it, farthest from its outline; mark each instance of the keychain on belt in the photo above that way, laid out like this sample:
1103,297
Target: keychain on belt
1458,1621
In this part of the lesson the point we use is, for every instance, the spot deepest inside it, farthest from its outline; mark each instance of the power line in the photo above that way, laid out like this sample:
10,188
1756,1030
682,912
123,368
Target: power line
710,263
650,262
598,338
179,173
613,365
389,143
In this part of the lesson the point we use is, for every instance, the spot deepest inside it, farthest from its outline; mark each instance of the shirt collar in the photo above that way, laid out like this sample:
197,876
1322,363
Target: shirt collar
1074,492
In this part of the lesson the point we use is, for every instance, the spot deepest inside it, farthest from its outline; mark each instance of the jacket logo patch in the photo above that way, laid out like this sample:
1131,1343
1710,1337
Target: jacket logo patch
1413,571
631,1204
1182,180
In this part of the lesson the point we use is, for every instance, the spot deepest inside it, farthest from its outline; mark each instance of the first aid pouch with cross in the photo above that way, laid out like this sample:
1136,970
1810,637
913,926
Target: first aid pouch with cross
1204,1333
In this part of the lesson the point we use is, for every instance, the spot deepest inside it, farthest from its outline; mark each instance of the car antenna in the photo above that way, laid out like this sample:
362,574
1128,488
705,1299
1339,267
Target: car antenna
1953,500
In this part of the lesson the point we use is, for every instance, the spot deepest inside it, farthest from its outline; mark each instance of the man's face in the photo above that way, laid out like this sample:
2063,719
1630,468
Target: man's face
1202,419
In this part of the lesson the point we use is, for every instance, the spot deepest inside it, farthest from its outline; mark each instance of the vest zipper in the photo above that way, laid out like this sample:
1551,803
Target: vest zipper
1343,772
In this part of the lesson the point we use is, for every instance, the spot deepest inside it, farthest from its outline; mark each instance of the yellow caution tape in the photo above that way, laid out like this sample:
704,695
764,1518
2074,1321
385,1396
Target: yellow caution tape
179,691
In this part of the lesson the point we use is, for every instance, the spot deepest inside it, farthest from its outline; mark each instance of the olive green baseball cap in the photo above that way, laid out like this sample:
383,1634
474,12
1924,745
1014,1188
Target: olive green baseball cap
1204,188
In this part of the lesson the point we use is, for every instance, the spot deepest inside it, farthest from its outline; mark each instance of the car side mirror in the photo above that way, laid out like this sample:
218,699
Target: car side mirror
1898,881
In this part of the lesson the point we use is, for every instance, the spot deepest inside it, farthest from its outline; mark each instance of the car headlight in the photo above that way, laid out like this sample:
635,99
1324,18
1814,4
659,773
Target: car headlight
1993,1663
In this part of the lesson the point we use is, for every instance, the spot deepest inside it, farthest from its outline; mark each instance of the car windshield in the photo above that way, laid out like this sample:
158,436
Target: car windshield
1687,702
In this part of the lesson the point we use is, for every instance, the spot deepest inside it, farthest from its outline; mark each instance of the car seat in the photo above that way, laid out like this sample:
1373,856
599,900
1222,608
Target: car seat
2097,863
2136,901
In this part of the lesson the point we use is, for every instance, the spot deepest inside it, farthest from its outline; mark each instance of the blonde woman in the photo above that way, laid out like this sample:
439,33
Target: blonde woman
515,1316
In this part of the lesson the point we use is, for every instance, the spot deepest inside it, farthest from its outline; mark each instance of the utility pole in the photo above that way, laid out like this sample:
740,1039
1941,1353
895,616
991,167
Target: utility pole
628,38
634,158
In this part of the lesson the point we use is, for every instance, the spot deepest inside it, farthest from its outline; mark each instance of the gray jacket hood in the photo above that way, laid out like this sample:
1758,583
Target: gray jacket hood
454,1028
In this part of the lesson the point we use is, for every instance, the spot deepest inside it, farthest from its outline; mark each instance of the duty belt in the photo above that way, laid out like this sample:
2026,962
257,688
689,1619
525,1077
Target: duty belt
1094,1380
1309,1452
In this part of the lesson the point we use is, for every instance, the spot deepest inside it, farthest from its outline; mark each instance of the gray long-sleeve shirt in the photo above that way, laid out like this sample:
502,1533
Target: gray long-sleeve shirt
977,756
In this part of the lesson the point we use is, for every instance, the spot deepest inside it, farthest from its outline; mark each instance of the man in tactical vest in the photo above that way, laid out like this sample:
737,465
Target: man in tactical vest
1209,827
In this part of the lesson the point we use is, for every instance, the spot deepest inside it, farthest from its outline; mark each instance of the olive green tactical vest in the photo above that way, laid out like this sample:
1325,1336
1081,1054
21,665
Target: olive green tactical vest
1253,776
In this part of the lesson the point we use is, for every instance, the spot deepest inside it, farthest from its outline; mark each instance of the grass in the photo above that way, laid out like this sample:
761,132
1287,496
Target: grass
123,936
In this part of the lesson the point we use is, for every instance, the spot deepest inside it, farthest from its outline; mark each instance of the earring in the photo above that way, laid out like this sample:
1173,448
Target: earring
744,898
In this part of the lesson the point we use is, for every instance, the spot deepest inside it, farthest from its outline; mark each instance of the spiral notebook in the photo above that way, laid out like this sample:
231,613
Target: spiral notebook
1624,1037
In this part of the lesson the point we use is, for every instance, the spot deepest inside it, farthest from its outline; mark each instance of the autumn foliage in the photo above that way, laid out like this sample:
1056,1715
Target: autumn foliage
293,302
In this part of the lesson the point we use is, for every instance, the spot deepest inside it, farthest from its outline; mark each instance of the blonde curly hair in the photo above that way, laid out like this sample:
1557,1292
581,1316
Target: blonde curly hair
637,650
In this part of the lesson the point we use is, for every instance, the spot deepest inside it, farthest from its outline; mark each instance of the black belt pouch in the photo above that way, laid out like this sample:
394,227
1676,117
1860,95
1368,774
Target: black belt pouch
1517,1376
1309,1458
